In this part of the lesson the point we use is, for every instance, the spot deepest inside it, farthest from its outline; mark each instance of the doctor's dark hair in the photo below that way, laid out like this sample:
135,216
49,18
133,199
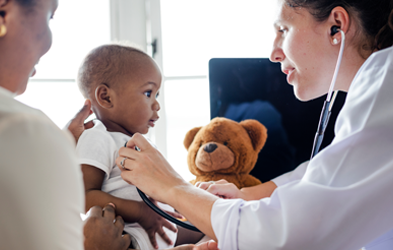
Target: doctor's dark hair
375,16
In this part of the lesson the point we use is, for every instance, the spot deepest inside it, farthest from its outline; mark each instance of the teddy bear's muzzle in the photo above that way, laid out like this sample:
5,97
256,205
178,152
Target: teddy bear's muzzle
214,156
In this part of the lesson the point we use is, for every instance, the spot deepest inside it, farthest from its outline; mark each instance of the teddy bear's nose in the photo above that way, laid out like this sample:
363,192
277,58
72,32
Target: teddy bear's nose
210,147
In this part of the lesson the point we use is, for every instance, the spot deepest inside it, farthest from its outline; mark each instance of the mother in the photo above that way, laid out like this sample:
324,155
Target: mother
342,198
41,188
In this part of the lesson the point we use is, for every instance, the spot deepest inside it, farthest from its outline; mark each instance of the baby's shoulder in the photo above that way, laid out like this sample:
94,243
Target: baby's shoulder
97,135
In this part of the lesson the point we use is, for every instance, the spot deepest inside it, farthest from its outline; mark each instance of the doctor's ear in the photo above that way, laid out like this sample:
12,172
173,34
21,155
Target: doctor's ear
103,95
338,20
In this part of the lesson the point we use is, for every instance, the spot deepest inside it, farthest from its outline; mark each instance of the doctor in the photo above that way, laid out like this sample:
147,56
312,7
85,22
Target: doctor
342,198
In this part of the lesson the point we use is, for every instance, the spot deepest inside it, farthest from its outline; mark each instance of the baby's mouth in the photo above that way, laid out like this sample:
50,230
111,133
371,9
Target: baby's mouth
152,122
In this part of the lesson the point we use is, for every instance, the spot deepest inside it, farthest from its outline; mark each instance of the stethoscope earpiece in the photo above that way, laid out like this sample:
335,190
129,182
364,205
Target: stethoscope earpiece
334,30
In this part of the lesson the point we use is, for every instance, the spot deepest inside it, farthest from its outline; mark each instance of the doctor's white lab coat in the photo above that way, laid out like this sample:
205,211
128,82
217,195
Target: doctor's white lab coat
341,199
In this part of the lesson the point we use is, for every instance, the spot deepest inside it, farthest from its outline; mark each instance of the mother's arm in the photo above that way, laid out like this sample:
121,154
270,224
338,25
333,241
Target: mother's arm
149,171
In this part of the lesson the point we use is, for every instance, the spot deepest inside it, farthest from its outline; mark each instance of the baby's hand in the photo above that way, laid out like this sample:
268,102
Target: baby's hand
154,223
221,188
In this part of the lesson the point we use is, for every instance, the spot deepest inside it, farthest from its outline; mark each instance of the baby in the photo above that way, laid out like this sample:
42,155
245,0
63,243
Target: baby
122,83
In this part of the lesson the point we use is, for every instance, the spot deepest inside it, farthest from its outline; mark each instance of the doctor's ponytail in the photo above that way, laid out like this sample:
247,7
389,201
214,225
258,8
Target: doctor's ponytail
384,37
375,18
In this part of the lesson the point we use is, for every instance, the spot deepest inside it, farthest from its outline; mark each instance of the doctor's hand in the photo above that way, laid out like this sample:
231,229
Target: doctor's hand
103,230
208,245
221,188
148,170
77,125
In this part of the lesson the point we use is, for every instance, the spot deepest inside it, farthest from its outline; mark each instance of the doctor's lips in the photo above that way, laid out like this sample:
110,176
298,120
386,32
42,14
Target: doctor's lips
288,72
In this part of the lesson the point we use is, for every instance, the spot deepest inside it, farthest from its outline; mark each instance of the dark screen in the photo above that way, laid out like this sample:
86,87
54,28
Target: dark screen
256,88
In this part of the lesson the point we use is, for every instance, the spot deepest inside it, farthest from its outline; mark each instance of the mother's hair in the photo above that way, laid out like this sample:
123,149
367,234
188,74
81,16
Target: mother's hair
26,3
375,17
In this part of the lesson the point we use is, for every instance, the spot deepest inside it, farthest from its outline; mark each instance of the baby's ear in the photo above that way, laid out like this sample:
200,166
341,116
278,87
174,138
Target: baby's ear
103,96
190,137
257,132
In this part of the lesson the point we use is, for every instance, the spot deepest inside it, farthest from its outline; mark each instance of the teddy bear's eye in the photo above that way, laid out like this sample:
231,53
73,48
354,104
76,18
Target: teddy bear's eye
225,143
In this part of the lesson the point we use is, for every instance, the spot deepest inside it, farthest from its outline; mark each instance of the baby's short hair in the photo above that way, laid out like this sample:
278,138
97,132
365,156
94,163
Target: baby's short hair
107,64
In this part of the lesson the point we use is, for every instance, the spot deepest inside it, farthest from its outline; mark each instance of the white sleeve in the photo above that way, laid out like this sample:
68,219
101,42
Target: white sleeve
97,148
305,215
41,186
296,174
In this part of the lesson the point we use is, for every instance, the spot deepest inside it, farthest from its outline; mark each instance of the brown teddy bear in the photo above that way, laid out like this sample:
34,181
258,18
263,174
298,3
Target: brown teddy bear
225,149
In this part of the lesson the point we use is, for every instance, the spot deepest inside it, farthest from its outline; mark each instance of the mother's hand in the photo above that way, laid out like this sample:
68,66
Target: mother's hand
103,230
77,125
148,169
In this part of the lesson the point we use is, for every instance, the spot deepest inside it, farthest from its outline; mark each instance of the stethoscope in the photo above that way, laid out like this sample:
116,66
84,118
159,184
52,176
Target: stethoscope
323,122
331,96
185,224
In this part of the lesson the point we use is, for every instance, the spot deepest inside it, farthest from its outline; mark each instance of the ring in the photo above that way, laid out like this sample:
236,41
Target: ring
122,162
212,182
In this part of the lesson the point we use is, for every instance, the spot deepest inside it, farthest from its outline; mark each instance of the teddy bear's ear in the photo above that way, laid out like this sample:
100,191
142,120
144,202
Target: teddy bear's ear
257,133
190,137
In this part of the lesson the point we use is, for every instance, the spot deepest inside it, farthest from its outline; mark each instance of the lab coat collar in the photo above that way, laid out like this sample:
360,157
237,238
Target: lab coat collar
6,92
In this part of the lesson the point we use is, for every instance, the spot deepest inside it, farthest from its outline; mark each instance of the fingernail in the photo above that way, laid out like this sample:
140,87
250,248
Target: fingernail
111,204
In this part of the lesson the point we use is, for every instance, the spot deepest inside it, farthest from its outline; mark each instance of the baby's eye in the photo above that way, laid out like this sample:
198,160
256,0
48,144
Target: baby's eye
225,143
148,93
157,94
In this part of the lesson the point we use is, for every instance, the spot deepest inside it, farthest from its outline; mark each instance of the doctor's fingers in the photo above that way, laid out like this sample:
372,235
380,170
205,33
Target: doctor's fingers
228,190
126,162
139,141
206,185
203,185
207,245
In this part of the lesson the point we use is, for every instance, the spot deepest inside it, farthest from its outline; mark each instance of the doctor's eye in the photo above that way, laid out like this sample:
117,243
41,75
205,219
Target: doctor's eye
281,29
148,93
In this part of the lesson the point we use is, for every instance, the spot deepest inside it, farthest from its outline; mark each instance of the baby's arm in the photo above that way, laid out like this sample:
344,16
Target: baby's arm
130,211
93,178
186,236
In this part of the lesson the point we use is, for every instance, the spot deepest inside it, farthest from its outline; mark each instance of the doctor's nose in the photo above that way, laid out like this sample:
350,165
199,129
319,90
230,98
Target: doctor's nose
277,54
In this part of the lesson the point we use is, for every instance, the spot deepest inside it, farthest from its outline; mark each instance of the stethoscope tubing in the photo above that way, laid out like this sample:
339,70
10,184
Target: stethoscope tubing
328,104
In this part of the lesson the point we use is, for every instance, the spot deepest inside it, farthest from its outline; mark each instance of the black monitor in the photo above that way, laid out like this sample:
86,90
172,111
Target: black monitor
255,88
